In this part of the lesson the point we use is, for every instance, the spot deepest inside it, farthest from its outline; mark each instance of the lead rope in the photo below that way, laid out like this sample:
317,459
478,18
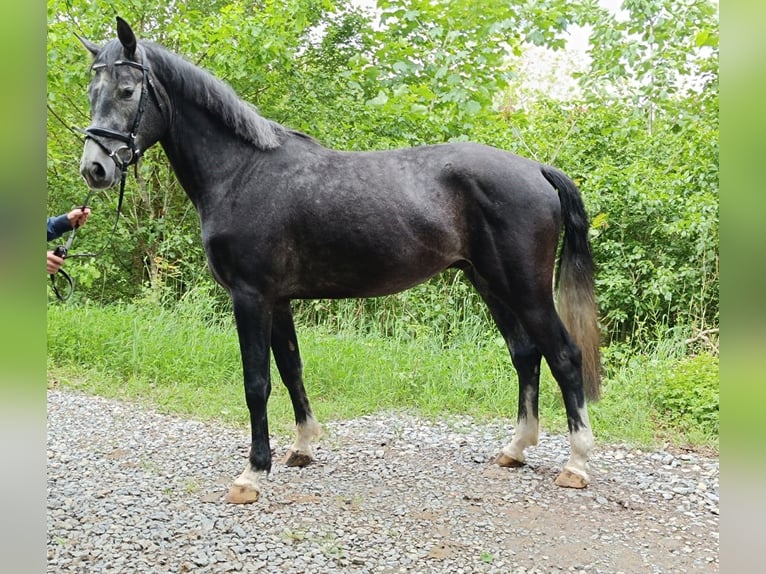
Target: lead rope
63,250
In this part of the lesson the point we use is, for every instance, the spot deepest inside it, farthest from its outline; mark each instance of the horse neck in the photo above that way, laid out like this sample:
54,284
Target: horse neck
204,153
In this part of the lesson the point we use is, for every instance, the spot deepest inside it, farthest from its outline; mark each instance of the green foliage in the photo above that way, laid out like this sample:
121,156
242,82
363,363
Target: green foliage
654,52
641,141
656,241
665,390
687,396
653,200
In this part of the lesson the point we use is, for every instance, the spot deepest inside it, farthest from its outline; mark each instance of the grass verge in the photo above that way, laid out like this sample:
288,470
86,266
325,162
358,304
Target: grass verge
186,361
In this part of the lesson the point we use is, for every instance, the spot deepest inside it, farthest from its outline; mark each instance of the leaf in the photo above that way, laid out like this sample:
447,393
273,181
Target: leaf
411,15
401,90
705,38
401,66
601,220
379,100
472,107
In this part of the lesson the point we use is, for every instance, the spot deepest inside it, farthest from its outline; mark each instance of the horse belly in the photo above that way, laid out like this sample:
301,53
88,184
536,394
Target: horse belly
359,269
317,262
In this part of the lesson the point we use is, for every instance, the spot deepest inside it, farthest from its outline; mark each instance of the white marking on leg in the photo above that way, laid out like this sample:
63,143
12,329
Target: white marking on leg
246,488
303,434
251,478
526,433
581,445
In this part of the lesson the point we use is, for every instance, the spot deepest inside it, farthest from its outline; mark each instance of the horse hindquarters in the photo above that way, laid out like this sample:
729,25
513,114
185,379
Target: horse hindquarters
514,256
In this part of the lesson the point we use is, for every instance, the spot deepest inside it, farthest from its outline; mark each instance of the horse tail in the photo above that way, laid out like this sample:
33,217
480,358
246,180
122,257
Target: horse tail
574,281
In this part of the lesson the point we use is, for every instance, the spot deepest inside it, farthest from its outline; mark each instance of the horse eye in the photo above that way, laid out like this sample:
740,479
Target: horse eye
126,93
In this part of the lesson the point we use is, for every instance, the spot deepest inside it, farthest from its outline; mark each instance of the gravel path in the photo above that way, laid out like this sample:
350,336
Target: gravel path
131,490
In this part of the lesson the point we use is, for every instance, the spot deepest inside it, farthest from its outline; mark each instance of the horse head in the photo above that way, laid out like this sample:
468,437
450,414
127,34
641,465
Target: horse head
126,110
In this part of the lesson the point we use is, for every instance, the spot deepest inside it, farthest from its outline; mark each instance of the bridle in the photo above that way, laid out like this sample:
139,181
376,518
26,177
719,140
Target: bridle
121,159
123,156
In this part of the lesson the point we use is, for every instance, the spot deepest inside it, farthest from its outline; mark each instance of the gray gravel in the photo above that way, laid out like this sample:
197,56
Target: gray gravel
131,490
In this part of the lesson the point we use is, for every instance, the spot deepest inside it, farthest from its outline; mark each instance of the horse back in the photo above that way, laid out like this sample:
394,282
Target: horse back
357,224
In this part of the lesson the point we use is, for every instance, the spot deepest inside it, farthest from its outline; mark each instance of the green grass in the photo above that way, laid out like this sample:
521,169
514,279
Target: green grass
186,361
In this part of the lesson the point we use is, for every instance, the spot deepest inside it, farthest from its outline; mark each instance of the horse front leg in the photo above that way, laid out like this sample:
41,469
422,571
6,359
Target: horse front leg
253,318
284,345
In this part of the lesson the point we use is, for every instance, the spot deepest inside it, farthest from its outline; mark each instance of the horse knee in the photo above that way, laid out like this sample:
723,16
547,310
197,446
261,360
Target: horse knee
257,395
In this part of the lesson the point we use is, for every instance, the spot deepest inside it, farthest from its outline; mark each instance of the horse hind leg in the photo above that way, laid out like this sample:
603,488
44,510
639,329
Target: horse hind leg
284,345
526,360
541,331
565,361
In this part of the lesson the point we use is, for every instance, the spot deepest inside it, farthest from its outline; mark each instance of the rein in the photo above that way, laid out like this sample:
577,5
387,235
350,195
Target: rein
123,156
63,250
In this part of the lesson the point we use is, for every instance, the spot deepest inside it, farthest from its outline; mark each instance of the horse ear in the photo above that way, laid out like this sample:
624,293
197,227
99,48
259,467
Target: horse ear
94,49
127,37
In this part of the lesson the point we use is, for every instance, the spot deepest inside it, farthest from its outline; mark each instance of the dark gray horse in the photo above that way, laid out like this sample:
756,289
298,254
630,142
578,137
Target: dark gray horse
285,218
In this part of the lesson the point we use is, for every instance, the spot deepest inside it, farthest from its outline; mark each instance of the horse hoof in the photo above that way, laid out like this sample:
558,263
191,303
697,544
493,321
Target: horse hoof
569,479
242,494
506,461
295,458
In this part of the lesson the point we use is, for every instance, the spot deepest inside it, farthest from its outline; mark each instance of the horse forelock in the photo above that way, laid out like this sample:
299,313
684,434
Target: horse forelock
186,80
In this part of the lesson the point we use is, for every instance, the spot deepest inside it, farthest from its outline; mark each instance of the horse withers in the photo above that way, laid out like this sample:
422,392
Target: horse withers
284,218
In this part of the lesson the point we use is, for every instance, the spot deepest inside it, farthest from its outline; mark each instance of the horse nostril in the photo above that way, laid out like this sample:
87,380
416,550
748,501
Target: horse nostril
97,171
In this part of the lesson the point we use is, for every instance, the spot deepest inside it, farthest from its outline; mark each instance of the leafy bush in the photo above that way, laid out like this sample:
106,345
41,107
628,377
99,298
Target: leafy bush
687,395
644,153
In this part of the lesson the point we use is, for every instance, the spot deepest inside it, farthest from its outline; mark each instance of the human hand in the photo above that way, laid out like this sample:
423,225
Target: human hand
54,263
78,216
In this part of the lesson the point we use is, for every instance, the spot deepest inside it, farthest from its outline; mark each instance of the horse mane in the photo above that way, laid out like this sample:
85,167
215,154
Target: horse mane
214,95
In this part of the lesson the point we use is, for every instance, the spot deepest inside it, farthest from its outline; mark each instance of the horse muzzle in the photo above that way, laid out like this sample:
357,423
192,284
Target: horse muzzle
97,168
